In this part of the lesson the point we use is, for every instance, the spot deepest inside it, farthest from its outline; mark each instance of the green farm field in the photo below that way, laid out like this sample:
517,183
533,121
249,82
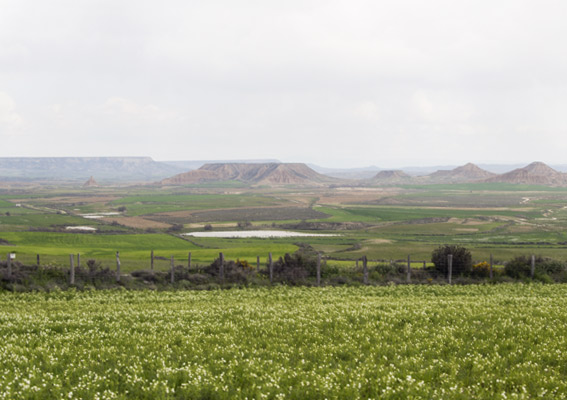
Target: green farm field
450,342
381,223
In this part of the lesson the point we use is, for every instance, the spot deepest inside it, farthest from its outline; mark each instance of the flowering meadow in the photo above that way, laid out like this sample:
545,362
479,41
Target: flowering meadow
393,342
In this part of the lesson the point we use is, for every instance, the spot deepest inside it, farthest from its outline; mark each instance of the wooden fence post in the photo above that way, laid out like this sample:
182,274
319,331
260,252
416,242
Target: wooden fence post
491,266
271,267
152,261
72,270
38,260
450,267
408,270
189,261
356,264
424,264
532,271
318,269
258,263
221,267
117,266
365,270
172,270
78,260
9,264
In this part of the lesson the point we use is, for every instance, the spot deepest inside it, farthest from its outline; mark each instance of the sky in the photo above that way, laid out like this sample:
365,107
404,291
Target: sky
354,83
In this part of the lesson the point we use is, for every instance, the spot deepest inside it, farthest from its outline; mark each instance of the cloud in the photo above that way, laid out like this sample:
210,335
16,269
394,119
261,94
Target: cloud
440,109
10,120
133,113
283,78
367,110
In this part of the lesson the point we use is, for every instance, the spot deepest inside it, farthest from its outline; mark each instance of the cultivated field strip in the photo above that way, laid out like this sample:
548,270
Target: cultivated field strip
397,342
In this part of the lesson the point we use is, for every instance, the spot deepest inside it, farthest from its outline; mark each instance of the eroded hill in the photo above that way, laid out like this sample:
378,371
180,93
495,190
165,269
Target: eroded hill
254,174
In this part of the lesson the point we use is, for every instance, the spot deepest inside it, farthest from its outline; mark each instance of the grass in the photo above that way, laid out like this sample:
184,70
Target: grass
152,204
492,187
382,231
134,249
43,220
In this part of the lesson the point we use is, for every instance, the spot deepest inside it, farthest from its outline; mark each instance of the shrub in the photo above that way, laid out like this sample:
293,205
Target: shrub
518,267
521,266
390,268
482,269
208,227
462,259
239,271
244,224
175,228
550,266
296,267
244,264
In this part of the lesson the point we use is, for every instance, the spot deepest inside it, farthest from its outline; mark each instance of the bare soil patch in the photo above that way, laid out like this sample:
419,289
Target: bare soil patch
378,241
238,214
137,222
70,199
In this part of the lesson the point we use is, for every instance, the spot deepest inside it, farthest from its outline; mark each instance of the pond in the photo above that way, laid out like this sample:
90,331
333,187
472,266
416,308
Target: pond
255,234
80,228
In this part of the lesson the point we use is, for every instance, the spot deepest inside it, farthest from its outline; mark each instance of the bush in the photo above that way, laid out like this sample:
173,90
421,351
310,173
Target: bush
175,228
481,270
391,268
521,266
234,271
550,266
244,224
296,267
462,259
208,227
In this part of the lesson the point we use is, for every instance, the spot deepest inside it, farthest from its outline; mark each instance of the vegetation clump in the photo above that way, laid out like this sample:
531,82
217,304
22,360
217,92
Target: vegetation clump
481,270
462,259
520,267
342,342
294,268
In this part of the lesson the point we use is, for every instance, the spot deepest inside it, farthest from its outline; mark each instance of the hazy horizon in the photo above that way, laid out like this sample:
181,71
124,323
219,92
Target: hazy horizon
409,167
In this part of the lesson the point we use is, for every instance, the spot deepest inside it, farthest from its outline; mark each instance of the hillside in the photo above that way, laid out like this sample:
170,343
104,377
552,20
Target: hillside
537,173
393,176
91,183
256,174
466,173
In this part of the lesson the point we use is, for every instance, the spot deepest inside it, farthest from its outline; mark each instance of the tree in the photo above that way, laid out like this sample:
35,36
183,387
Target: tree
462,259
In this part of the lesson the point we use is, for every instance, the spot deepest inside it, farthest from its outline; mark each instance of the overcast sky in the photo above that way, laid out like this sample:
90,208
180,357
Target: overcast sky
337,83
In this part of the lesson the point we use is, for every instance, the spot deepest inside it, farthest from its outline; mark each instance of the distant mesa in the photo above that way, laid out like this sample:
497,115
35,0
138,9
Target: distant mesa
390,176
254,174
90,183
537,173
466,173
133,169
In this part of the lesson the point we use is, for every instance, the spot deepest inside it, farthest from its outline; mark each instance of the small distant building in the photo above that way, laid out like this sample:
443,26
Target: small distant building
90,183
